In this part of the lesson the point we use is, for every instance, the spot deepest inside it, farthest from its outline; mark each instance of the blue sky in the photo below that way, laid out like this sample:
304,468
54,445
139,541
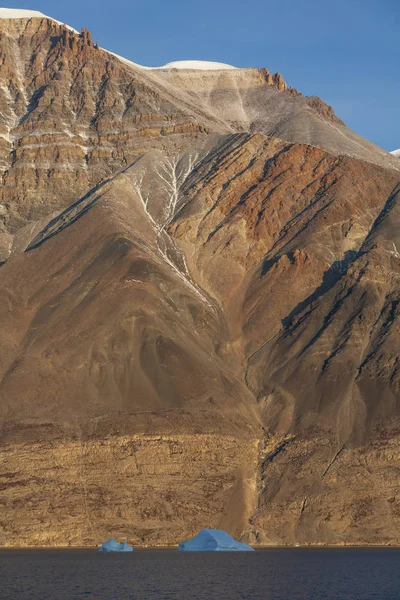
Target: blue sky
346,52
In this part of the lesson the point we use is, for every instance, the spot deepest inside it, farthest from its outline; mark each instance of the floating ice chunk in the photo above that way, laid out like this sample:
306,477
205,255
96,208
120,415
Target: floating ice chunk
213,540
112,545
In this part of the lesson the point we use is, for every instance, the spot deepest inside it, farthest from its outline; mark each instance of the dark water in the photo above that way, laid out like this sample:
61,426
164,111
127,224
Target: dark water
284,574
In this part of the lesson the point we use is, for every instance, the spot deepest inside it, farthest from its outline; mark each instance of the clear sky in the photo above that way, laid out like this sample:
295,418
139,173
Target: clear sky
346,52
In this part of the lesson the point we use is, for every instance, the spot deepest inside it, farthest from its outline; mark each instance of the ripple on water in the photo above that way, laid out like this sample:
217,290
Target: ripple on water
272,574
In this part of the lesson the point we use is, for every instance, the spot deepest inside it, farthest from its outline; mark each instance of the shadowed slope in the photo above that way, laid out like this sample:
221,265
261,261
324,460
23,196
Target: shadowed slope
106,317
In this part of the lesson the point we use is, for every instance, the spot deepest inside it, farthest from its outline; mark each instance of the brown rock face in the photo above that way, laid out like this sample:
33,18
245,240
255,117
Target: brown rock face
153,489
199,321
73,114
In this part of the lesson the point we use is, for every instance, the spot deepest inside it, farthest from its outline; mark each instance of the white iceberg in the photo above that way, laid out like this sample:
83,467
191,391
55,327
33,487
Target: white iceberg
112,545
213,540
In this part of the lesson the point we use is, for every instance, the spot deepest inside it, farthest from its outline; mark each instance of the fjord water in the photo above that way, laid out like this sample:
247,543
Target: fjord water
272,574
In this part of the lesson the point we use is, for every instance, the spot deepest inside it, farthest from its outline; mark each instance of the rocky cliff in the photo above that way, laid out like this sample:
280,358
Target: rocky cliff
199,305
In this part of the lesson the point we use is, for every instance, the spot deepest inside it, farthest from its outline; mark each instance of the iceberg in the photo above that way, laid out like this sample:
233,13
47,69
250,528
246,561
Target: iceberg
213,540
112,545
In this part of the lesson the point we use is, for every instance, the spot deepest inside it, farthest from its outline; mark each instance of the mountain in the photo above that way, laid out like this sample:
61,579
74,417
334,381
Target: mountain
199,304
75,114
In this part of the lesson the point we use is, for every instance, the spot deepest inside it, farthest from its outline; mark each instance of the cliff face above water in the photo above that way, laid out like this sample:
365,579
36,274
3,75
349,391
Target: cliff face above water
199,305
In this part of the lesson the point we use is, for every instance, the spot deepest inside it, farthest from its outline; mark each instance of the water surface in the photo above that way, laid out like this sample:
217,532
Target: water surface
272,574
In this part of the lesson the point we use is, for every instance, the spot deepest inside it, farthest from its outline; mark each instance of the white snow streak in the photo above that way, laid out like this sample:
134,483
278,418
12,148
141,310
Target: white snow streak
173,174
394,252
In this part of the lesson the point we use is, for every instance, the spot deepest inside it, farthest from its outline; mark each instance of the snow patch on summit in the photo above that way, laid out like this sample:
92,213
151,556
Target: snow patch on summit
20,13
202,65
195,65
396,153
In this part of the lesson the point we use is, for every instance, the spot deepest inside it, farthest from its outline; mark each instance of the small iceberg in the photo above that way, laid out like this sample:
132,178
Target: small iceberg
213,540
113,546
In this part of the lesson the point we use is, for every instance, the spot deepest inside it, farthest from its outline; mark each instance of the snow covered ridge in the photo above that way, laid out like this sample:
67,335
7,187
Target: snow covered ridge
198,65
20,13
396,153
202,65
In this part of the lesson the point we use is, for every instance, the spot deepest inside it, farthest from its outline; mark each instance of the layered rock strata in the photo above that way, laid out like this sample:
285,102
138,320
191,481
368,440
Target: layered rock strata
199,305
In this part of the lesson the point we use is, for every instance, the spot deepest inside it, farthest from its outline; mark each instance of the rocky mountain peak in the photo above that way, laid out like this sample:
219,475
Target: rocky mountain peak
276,79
